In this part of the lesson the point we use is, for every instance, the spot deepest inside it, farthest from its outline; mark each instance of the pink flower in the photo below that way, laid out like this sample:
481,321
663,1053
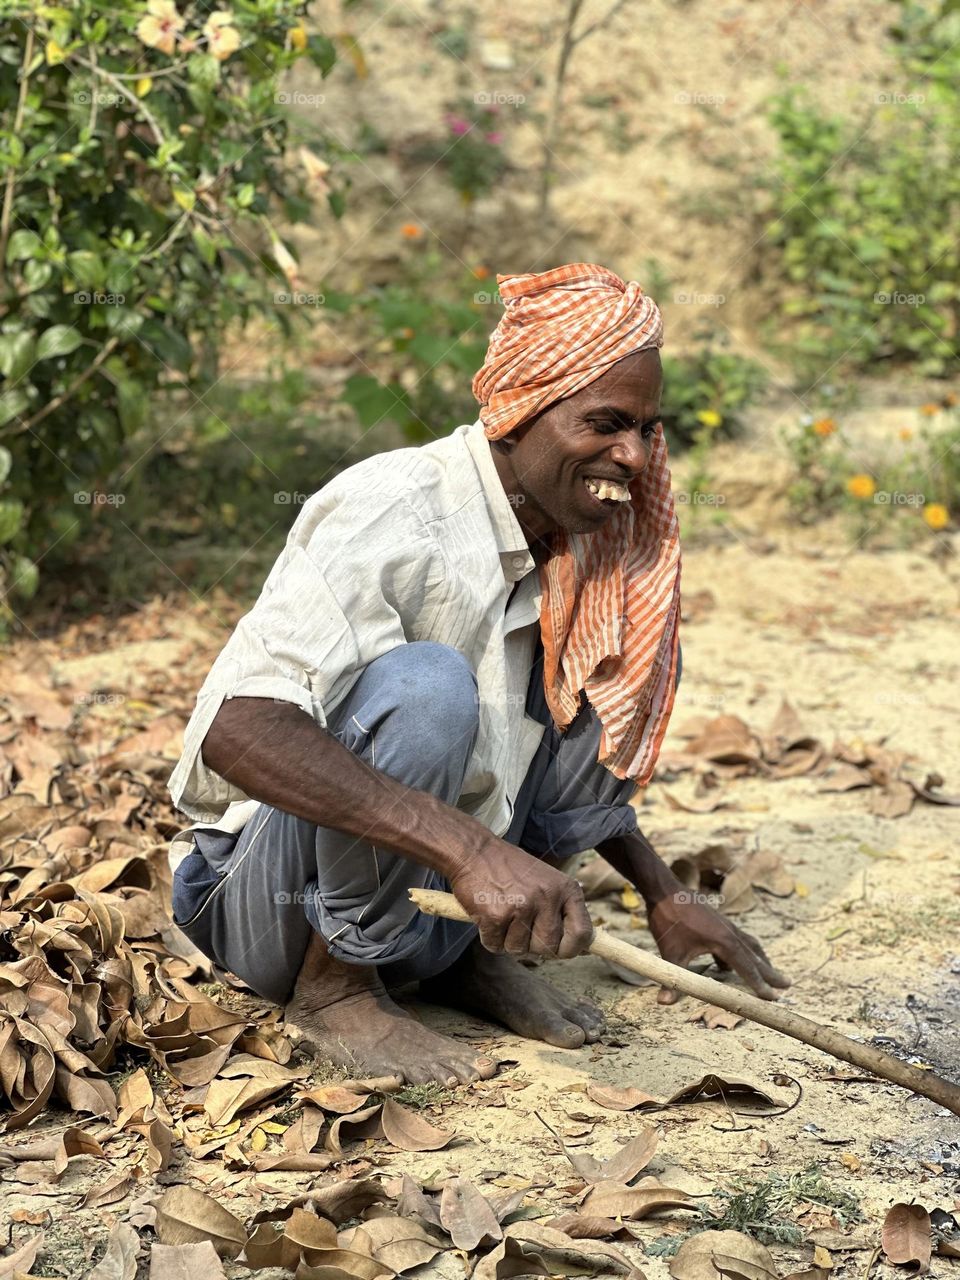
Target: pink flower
458,125
494,138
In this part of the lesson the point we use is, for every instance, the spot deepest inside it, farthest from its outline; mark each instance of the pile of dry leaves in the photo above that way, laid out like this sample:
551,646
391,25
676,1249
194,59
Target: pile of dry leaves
724,747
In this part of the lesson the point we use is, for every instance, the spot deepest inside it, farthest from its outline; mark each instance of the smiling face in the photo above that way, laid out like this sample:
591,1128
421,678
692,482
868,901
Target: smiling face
568,467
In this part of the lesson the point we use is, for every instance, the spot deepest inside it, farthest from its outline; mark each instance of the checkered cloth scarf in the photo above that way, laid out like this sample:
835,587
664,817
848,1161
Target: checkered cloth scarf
611,599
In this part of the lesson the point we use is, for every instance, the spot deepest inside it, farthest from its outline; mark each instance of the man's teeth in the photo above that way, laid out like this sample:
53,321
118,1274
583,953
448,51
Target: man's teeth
609,489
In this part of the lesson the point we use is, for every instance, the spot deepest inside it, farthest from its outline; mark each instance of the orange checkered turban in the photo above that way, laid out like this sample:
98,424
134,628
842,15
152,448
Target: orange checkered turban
611,599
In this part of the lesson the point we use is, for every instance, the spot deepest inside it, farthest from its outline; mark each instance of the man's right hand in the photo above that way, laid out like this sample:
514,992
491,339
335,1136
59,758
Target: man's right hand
522,905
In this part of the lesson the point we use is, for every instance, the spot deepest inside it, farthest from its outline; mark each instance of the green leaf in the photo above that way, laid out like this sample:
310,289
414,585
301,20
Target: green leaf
373,402
323,54
23,244
11,518
12,403
205,245
24,577
58,340
6,461
16,354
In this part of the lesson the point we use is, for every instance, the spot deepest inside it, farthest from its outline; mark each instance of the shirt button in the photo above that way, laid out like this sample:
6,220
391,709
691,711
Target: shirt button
519,561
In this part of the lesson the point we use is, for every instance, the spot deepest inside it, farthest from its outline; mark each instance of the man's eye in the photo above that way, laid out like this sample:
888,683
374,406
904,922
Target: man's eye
648,429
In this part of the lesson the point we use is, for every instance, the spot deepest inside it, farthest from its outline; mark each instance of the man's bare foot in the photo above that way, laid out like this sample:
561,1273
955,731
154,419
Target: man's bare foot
346,1016
503,989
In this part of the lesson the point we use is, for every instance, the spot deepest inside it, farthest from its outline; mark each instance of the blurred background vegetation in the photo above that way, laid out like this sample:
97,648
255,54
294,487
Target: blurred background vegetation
245,247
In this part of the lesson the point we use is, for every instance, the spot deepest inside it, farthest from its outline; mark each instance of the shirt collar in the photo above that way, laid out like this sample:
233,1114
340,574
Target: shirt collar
515,555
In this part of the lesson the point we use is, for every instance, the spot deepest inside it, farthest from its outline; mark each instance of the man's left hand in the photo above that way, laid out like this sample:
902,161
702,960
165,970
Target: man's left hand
683,928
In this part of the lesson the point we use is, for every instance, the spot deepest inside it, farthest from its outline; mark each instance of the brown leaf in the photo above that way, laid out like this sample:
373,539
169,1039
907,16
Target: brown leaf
620,1099
906,1236
109,1192
617,1200
361,1124
412,1203
185,1262
844,777
694,1259
466,1216
581,1226
528,1248
336,1099
335,1264
242,1083
347,1199
712,1016
188,1216
120,1260
409,1131
713,1086
22,1259
399,1244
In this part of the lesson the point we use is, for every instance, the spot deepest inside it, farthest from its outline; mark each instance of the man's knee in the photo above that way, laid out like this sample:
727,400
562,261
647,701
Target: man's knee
436,680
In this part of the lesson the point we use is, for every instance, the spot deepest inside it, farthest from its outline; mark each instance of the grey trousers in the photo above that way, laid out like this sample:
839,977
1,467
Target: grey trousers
251,901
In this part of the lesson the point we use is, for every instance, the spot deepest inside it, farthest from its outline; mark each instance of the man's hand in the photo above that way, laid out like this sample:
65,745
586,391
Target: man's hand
523,905
684,928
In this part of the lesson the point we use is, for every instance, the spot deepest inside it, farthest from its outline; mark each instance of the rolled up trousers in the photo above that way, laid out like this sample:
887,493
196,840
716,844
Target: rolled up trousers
250,902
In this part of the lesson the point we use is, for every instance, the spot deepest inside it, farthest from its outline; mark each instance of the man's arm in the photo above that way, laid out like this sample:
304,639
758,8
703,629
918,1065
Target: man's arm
684,927
277,754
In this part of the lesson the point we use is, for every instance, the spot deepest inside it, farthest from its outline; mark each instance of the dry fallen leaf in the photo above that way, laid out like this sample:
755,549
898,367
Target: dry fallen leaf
185,1262
906,1236
396,1242
617,1200
620,1099
712,1016
409,1131
694,1259
120,1260
188,1216
528,1248
466,1216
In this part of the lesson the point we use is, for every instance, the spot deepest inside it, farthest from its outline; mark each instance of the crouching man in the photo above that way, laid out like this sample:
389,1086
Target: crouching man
458,672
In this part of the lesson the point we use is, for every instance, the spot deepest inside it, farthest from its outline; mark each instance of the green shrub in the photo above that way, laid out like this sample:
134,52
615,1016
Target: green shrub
865,207
142,150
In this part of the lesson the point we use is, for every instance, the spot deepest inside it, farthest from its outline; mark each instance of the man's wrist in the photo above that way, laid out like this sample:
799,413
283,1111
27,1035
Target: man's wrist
635,858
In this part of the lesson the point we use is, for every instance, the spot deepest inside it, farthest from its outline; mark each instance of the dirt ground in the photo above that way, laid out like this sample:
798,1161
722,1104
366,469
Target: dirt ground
862,643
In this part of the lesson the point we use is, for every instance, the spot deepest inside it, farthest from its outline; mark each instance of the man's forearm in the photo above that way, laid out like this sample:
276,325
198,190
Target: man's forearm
634,857
277,754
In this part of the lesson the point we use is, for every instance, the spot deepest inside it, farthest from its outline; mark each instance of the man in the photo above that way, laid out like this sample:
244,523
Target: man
458,672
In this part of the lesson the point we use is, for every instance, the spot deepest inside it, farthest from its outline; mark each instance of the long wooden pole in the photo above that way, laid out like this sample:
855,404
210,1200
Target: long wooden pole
768,1013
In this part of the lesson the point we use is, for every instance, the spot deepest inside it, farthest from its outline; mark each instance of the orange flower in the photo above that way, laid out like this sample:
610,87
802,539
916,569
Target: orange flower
480,273
928,410
405,333
936,515
906,433
824,426
950,399
411,230
861,486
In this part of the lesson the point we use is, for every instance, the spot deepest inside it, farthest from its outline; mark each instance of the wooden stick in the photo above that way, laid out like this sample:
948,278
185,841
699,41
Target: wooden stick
767,1013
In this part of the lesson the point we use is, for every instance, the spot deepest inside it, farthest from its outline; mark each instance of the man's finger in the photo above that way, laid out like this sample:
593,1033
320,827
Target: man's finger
668,995
745,963
577,927
771,974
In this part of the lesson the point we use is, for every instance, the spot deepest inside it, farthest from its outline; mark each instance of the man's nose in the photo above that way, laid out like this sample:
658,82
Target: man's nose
630,452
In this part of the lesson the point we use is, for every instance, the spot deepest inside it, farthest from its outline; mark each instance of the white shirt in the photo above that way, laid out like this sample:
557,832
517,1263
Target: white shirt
412,544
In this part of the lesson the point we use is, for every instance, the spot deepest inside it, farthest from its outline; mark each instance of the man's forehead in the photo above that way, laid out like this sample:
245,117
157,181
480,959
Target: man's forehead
624,387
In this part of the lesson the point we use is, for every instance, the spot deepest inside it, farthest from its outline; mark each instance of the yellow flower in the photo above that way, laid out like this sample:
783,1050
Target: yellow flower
709,417
824,426
222,37
936,515
55,53
928,410
143,86
861,486
298,38
158,30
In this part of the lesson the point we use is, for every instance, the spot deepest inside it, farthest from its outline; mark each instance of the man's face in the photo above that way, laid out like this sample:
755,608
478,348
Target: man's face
595,439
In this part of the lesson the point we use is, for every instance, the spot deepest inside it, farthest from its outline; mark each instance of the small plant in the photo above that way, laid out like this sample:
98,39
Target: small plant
709,387
470,153
759,1207
423,1095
